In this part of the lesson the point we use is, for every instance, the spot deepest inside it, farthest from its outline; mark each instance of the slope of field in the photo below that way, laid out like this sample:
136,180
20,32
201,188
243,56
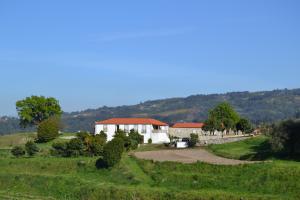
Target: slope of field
257,148
46,177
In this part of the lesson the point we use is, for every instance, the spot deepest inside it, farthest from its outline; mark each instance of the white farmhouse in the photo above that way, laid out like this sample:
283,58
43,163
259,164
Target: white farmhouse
152,129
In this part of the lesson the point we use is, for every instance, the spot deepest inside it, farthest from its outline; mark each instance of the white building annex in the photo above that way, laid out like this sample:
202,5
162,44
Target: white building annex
152,129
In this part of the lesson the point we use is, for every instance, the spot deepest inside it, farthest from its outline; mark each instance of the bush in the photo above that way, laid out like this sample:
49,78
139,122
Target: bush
96,145
135,139
84,144
126,141
285,137
75,147
48,129
193,140
100,163
82,135
59,149
31,148
103,135
149,141
112,153
18,151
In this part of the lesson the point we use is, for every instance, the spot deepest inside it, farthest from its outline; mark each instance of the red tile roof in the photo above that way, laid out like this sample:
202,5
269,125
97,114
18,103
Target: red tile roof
188,125
132,121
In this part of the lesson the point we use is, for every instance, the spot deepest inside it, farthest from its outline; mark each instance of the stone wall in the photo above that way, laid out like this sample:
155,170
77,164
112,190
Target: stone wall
207,137
185,132
220,140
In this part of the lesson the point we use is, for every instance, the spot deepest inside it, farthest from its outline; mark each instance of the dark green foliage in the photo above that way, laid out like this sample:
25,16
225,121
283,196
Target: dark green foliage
82,135
135,139
59,149
193,140
222,117
285,136
126,141
134,135
35,109
84,144
96,145
75,147
31,148
149,141
112,153
103,135
48,129
244,125
100,163
18,151
132,140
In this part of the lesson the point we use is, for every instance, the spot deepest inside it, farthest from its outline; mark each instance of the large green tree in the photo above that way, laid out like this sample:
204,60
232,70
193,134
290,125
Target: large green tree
222,117
244,125
35,109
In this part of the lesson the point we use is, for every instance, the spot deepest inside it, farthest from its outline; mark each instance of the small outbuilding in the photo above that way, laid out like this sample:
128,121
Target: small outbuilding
183,130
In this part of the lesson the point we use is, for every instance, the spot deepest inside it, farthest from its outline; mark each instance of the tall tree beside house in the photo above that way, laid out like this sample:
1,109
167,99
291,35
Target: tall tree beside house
35,109
244,125
222,117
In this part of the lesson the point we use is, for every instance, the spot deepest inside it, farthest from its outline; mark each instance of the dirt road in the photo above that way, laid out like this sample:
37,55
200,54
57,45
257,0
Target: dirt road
188,156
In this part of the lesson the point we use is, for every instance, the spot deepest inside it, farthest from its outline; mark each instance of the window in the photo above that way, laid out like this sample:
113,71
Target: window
143,128
126,128
105,127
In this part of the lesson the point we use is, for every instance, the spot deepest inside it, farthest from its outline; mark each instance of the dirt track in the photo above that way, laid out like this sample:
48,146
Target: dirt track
188,156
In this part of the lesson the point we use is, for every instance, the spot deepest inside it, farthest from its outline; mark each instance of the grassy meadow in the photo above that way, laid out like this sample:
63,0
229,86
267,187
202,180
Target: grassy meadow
256,148
47,177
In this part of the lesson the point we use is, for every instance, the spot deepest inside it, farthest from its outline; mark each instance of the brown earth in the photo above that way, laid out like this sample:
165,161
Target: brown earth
188,156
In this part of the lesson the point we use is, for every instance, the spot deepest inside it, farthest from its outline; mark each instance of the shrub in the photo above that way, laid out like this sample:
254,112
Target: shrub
93,144
82,135
135,139
96,145
59,149
126,141
193,140
134,135
285,137
75,147
31,148
84,144
149,141
103,135
112,153
18,151
100,163
48,129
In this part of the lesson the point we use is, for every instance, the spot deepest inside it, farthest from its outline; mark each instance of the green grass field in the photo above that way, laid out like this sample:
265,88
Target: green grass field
46,177
256,148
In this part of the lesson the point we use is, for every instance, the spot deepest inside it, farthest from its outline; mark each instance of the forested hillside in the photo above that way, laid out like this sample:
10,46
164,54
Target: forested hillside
265,106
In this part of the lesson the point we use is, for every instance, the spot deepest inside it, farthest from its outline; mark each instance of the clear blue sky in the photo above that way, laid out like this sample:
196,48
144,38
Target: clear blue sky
93,53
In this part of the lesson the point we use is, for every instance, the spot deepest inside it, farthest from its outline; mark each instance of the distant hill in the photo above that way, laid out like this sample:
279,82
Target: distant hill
265,106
